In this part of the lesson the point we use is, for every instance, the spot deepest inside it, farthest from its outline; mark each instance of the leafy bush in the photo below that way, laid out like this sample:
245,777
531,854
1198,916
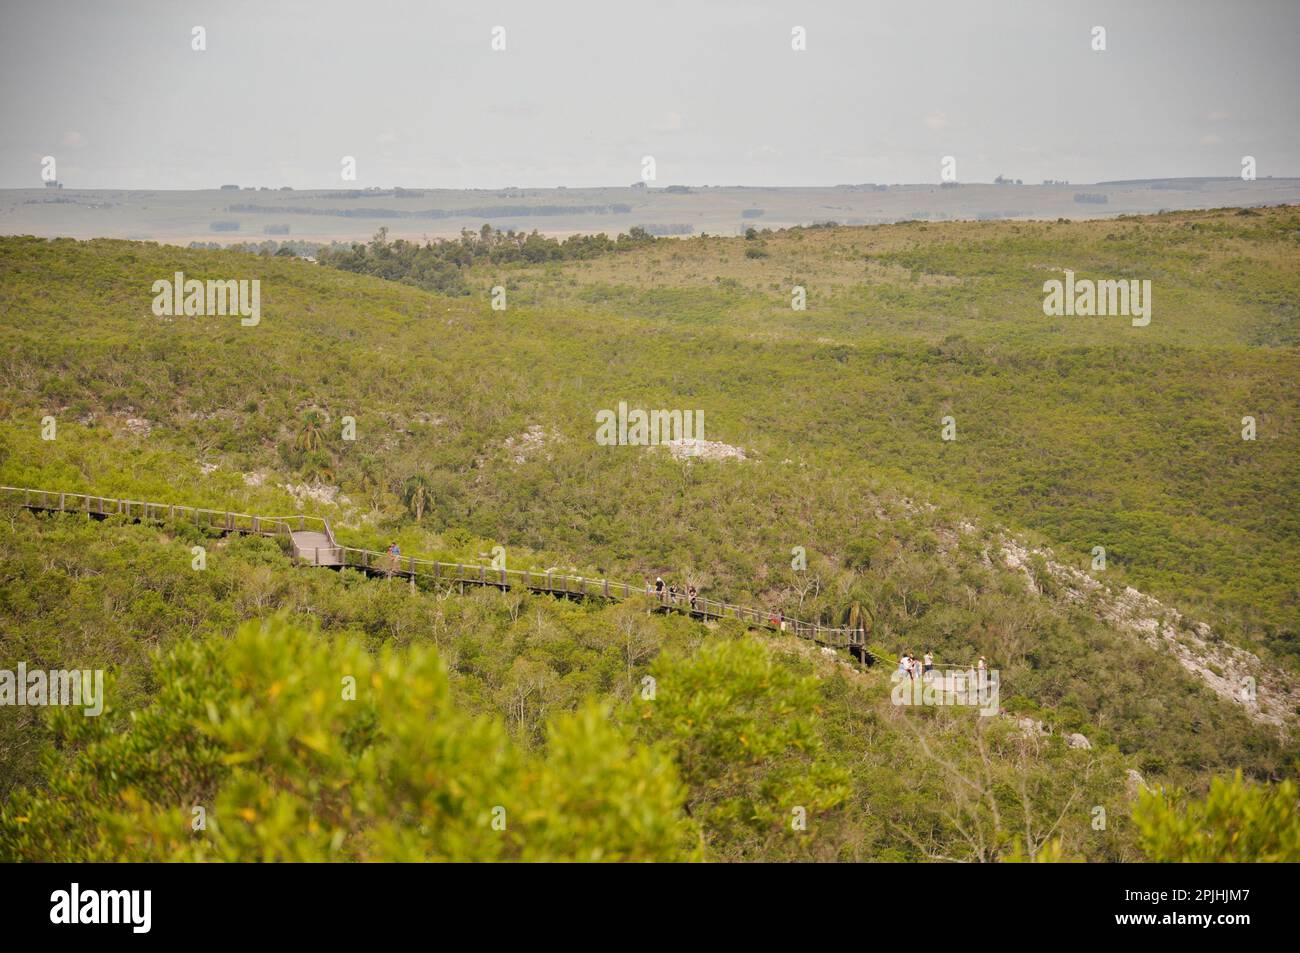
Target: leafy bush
1236,822
743,728
300,749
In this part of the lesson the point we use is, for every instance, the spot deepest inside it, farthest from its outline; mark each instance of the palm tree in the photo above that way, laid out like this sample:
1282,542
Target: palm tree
368,480
317,467
856,616
311,436
417,494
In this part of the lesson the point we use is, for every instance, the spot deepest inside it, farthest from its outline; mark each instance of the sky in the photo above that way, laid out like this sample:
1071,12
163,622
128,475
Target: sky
583,91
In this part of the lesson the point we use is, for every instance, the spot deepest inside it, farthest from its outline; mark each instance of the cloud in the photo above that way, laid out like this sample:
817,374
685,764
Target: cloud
73,140
1210,140
1217,115
936,120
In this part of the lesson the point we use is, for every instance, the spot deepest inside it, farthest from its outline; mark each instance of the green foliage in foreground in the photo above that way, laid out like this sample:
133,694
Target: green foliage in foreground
756,728
262,734
748,747
1236,822
279,745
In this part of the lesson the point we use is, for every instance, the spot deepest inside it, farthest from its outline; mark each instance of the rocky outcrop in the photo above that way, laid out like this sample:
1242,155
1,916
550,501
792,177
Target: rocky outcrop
1267,695
1134,783
703,450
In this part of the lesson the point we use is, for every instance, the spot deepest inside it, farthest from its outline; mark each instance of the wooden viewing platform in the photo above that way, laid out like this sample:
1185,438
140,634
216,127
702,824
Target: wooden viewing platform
311,542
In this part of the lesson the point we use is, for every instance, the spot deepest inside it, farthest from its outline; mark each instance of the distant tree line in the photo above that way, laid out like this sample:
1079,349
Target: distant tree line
487,211
270,246
438,265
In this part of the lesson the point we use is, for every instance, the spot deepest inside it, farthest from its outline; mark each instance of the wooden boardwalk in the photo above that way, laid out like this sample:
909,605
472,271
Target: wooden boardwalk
311,542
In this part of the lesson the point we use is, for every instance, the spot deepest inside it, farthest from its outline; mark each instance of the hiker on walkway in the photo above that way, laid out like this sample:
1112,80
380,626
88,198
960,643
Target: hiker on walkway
929,664
982,670
394,555
659,587
672,593
691,594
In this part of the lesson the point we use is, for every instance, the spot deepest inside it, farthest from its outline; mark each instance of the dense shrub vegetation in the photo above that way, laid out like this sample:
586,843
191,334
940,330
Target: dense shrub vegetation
474,428
439,265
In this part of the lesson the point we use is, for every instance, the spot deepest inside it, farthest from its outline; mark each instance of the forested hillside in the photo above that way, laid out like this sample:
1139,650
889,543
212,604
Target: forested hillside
475,428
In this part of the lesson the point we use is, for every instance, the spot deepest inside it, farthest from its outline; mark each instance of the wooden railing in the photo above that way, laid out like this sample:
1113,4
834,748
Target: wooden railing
413,567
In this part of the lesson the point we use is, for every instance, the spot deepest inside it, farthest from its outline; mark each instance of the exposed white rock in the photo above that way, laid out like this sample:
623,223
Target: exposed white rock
326,493
704,450
1031,726
529,443
1267,695
1135,783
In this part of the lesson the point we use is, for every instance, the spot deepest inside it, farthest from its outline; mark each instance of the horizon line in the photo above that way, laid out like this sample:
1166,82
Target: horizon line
647,186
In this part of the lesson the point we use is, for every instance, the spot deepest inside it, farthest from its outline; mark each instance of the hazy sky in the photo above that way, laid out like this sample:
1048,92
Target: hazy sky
583,90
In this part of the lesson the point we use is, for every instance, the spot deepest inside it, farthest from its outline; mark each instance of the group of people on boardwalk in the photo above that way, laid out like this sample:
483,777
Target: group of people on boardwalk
914,668
670,594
